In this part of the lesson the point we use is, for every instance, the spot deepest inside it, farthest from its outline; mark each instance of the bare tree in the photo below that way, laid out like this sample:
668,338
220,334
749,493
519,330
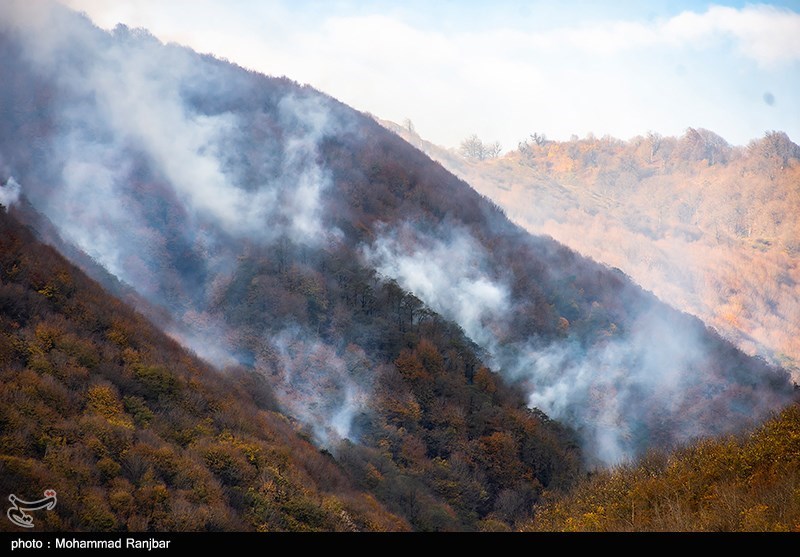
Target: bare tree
525,146
778,146
475,149
493,150
654,140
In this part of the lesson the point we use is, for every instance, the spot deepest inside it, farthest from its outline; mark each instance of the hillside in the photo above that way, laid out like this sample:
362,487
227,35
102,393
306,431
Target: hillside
738,484
136,434
710,228
453,365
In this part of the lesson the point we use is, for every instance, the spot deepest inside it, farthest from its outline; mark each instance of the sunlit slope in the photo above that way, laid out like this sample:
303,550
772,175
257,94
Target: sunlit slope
739,484
709,228
136,434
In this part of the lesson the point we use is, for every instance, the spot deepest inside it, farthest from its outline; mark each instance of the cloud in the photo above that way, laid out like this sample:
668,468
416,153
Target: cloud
504,79
767,34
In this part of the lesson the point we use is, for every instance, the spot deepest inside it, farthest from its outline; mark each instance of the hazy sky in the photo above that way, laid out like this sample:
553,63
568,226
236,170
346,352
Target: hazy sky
506,68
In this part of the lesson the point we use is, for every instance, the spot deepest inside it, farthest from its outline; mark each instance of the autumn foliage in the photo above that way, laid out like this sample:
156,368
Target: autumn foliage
747,483
711,228
136,434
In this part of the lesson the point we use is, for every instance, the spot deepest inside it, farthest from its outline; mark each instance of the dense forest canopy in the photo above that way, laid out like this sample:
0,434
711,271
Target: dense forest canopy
453,367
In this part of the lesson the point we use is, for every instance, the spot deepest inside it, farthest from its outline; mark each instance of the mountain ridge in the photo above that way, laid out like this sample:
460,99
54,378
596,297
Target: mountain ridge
728,258
376,293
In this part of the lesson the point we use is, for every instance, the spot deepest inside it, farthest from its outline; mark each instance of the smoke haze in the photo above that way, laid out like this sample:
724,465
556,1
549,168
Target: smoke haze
301,367
619,393
150,158
9,192
181,174
448,271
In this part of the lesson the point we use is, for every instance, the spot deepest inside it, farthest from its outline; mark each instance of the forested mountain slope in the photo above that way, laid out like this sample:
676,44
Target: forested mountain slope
453,364
134,433
710,228
736,484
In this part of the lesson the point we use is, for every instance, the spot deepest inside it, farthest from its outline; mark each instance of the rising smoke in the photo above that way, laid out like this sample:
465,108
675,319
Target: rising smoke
622,395
462,290
166,167
9,192
301,367
129,118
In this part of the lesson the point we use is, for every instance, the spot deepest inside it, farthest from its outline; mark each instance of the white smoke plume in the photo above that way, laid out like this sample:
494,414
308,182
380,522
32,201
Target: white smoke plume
9,192
655,381
320,385
128,98
448,271
164,166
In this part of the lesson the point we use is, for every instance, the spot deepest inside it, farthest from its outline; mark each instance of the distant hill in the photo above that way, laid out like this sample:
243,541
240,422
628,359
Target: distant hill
709,228
454,367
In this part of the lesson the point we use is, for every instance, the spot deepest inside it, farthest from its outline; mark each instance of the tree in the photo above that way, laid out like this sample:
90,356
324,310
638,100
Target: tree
538,139
493,150
654,140
475,149
699,144
472,148
777,146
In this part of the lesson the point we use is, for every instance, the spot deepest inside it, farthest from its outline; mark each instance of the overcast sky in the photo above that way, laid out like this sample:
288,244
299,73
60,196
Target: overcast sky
506,68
